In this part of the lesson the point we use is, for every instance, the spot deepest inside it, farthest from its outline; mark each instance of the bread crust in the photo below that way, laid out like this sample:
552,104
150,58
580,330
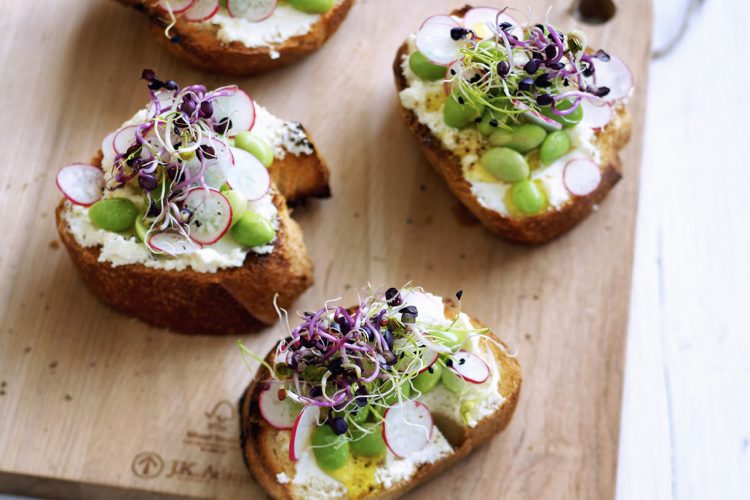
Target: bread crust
199,47
227,302
265,461
535,229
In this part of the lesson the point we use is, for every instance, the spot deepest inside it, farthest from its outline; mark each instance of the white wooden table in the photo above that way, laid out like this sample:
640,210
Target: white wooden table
686,416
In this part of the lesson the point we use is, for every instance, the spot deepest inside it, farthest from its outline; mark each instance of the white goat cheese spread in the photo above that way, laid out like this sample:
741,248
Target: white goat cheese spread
285,22
124,249
425,99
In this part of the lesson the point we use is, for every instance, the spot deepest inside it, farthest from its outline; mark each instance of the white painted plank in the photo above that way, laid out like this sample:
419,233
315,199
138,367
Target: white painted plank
685,424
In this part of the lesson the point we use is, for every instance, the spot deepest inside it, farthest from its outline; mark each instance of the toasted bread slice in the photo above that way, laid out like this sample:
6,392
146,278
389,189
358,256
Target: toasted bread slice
266,454
230,301
198,45
522,229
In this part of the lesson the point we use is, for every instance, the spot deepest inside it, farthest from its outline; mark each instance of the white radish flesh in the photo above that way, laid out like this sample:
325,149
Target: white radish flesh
596,114
251,10
238,108
202,10
581,176
280,414
172,243
249,177
302,430
81,184
407,428
485,21
123,139
210,215
435,43
469,367
615,75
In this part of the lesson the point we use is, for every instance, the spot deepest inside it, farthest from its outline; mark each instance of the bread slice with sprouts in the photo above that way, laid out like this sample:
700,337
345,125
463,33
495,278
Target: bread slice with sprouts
242,37
524,122
178,220
371,401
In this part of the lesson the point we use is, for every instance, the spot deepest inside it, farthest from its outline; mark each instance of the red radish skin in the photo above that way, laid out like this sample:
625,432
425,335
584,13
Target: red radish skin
407,428
469,367
249,177
177,6
81,184
429,361
302,430
172,243
201,10
581,176
252,10
123,139
239,108
220,206
279,414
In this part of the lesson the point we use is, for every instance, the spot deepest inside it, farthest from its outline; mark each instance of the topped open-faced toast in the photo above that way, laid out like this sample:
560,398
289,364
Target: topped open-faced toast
523,121
369,402
178,220
242,37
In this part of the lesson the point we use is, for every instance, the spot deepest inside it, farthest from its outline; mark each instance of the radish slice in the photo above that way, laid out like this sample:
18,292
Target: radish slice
176,6
469,367
615,75
172,243
249,177
302,430
123,139
435,42
210,215
81,184
202,10
217,167
484,22
407,428
458,68
165,99
279,414
581,176
108,148
238,108
251,10
596,114
427,356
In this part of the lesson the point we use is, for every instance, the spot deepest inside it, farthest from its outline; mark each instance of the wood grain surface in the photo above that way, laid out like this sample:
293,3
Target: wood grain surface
93,402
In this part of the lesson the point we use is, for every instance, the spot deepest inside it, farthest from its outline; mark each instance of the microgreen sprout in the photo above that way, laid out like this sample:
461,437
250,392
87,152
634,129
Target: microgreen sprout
343,360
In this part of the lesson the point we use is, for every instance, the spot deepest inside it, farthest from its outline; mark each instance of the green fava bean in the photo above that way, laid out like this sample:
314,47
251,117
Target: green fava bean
528,197
490,121
370,444
331,451
501,138
256,146
459,115
554,147
428,379
113,214
253,230
526,137
424,69
505,164
453,382
567,121
238,204
392,395
312,6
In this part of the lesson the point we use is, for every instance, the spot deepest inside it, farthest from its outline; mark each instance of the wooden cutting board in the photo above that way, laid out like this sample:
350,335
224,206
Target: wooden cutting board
94,403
